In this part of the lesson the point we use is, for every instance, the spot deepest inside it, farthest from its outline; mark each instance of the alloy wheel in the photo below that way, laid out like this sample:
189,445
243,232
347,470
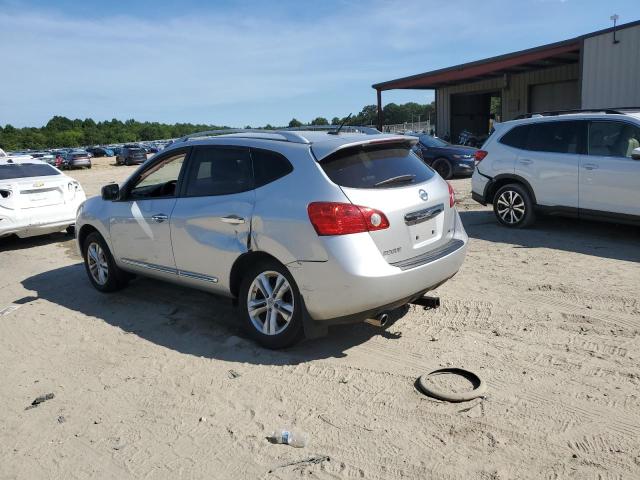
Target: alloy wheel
270,303
97,261
511,207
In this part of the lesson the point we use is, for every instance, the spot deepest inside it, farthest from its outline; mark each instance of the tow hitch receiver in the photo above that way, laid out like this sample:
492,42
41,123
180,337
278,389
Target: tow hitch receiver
427,302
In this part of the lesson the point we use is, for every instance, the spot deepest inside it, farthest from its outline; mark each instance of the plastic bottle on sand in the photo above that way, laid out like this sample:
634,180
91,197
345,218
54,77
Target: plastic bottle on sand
295,438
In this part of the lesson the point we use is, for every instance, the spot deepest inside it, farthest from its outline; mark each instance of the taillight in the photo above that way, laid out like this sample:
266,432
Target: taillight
333,218
452,195
479,155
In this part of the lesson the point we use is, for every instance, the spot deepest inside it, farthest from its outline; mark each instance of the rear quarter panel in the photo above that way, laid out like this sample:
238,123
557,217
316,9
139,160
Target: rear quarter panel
280,224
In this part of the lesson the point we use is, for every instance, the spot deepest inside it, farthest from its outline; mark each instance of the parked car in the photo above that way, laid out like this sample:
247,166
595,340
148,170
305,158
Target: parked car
584,164
446,159
131,155
36,198
76,159
302,229
116,150
100,151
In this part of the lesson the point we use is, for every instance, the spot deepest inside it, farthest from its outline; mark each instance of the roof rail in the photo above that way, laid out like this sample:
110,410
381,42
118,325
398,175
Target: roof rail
330,128
286,136
551,113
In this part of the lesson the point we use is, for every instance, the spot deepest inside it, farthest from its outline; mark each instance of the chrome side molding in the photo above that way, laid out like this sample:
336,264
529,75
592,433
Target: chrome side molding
173,271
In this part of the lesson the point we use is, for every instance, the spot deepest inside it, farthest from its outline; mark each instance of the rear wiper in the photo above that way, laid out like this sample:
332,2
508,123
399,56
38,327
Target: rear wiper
398,179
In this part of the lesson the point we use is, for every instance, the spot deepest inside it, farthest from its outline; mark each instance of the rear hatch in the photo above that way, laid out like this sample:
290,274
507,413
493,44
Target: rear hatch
79,158
137,153
389,177
18,189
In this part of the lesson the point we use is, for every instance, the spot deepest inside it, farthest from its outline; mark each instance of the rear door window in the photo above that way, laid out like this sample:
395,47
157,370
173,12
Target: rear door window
376,166
557,137
269,166
218,171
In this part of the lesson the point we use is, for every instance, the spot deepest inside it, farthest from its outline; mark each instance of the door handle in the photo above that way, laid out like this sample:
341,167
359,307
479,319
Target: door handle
526,161
590,166
233,219
160,217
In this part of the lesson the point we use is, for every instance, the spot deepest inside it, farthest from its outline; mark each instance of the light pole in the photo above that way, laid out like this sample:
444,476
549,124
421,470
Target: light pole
615,18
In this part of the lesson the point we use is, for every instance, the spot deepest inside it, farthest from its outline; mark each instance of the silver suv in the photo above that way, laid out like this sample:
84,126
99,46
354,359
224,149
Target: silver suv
302,228
576,163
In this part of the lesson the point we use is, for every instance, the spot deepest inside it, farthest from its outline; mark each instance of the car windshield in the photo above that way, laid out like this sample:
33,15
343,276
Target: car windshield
22,170
429,141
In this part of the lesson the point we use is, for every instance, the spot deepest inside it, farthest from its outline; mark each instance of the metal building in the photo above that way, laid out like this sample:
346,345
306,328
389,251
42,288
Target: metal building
597,70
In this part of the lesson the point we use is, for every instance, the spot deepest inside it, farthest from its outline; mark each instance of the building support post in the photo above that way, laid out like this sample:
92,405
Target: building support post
379,95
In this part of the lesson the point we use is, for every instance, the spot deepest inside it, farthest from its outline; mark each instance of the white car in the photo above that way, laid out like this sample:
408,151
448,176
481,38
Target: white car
36,198
584,164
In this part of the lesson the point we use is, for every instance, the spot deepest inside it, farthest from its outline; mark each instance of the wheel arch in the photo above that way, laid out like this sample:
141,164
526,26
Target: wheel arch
242,264
83,233
501,180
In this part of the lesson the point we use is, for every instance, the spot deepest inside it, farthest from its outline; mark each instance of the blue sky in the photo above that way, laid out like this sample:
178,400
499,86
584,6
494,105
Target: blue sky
255,62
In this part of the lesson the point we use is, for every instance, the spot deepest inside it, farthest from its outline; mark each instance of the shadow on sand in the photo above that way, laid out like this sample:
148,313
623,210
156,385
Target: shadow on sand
13,242
607,240
187,320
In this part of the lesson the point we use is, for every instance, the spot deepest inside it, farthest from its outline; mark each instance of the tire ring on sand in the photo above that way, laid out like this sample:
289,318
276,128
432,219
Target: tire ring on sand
478,391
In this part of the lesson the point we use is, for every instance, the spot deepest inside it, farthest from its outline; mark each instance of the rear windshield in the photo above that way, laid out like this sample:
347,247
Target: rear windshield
78,155
429,141
21,170
377,166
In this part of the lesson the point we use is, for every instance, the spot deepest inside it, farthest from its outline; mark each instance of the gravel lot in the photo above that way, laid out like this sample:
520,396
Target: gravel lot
155,382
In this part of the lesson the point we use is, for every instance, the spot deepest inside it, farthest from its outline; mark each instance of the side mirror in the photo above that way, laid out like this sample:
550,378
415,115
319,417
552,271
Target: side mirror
635,154
110,192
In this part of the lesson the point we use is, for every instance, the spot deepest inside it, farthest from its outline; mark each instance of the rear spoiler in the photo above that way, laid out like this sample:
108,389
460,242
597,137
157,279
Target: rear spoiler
322,150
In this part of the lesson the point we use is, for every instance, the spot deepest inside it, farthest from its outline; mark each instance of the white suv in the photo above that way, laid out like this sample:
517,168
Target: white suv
584,164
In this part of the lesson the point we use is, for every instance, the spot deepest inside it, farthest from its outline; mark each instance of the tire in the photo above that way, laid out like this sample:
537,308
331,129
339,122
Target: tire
513,206
127,162
276,334
114,278
443,167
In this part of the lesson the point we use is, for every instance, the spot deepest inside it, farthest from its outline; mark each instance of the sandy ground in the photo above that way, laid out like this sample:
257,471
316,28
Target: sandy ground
154,382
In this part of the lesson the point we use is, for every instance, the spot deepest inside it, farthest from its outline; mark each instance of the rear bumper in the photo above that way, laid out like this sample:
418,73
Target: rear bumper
79,163
38,221
354,284
479,185
463,169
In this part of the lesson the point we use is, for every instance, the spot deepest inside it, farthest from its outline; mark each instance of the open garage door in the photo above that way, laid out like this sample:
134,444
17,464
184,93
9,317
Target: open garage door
554,96
473,112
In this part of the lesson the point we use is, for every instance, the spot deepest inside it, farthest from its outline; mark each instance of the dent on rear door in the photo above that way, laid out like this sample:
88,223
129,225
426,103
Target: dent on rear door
205,243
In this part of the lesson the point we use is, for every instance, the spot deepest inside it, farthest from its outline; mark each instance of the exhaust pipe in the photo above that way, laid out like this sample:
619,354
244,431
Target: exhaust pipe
380,321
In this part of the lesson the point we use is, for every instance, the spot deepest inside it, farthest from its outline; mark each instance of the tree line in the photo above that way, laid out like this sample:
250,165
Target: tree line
63,132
